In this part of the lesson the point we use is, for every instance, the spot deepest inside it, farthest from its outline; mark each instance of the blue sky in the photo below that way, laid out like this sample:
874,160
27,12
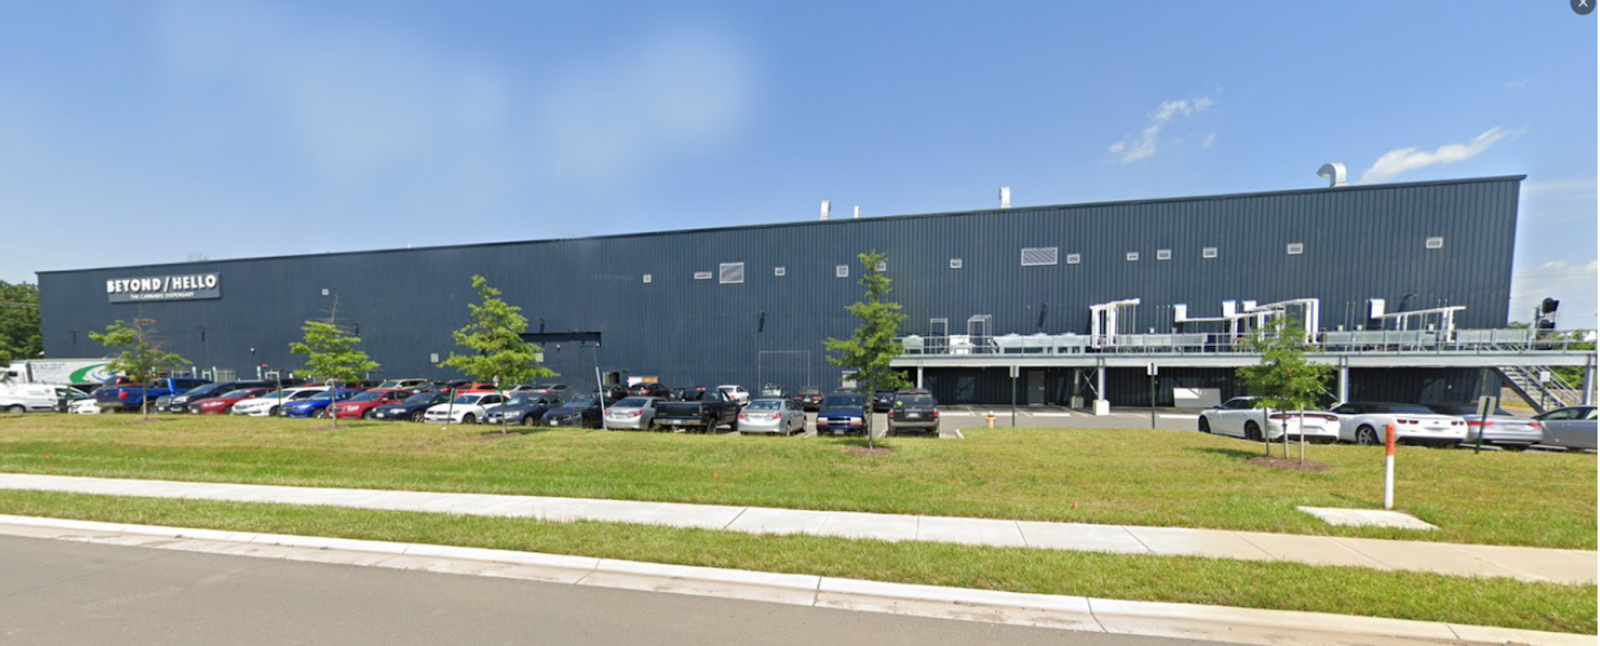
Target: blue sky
144,132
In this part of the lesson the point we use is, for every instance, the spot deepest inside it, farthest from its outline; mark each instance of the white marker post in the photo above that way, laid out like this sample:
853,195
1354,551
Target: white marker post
1388,467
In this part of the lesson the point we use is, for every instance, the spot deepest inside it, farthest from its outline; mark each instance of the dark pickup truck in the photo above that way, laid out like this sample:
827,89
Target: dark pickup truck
700,409
132,396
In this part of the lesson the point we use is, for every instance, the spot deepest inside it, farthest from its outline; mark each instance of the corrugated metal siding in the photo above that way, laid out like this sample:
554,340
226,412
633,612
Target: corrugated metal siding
1360,243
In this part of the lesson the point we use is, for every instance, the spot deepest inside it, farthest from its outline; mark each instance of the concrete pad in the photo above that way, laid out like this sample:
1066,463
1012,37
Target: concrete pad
1197,542
970,531
1248,625
1490,635
1426,557
761,520
1368,518
1050,611
793,589
1314,550
618,511
1077,536
885,527
1536,564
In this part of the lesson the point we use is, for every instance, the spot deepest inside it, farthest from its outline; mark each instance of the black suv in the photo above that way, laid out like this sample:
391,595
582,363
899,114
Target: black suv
913,410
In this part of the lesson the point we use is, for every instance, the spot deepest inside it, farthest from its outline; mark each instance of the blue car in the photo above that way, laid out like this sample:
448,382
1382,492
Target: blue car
316,405
581,411
845,413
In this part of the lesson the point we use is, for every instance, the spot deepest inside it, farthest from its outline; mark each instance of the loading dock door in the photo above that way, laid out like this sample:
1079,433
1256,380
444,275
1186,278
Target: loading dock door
1035,387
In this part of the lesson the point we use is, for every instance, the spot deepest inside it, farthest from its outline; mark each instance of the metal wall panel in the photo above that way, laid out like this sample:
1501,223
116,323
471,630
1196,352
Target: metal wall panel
1360,243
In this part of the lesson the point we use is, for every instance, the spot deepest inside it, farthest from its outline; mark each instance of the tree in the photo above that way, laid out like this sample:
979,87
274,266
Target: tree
498,352
331,356
872,346
19,322
1284,379
143,357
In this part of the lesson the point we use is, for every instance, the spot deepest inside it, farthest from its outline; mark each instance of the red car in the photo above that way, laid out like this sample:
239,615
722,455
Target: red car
360,406
221,404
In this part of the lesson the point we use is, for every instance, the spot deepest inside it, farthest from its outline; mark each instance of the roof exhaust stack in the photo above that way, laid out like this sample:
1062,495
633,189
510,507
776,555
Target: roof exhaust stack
1005,197
825,207
858,211
1333,172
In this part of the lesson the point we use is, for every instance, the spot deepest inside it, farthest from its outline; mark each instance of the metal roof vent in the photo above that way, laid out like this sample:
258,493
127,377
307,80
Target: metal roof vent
858,211
1334,173
1005,197
825,208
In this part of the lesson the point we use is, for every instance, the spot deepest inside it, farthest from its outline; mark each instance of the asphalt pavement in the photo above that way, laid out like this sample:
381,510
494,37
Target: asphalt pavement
57,592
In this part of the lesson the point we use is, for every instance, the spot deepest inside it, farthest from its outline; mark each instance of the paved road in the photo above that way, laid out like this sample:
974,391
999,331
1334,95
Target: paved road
58,592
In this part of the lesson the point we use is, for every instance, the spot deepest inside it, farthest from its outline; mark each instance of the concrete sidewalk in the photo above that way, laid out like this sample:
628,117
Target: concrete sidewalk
1523,563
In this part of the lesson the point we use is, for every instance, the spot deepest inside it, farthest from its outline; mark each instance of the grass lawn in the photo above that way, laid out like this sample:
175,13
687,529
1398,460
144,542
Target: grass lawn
1141,477
1285,586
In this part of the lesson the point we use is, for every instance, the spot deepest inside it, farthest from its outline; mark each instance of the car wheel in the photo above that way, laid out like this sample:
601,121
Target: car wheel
367,414
417,416
468,418
15,409
1252,431
272,412
527,420
1205,425
1365,436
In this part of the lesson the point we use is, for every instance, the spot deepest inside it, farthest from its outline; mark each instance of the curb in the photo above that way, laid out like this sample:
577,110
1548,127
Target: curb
1191,621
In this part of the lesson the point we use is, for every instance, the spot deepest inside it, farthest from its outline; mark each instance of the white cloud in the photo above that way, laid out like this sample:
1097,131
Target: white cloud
1574,285
1518,84
1405,160
1144,145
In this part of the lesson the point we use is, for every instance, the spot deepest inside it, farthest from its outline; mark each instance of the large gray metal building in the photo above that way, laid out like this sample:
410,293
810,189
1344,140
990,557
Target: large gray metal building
753,304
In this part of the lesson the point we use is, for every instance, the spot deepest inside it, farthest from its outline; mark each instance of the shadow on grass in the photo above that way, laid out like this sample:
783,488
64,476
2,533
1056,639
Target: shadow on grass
1240,454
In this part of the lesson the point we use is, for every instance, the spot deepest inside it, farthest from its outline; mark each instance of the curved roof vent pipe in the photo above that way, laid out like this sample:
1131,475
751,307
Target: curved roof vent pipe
1005,197
1333,172
826,207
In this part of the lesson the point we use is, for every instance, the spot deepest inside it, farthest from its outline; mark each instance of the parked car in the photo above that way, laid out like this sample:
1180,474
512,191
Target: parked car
1572,427
1500,428
32,398
403,384
362,405
702,409
525,408
224,402
913,410
466,408
632,413
317,405
773,415
738,393
844,413
268,405
650,389
179,402
85,406
549,389
583,411
69,397
882,400
1240,417
411,408
133,396
1364,423
809,398
773,390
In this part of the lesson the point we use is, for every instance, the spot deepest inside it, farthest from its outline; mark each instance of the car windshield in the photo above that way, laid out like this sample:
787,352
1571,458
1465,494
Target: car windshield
524,401
765,404
420,398
237,394
632,402
467,399
843,401
367,397
583,402
204,390
915,400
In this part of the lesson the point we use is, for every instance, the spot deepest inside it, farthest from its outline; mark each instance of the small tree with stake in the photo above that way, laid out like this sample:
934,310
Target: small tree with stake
494,338
142,355
872,346
331,356
1284,379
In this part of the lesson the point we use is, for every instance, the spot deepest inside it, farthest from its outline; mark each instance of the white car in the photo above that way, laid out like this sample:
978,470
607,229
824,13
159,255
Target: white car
1364,423
466,408
736,393
1239,417
267,404
31,398
84,407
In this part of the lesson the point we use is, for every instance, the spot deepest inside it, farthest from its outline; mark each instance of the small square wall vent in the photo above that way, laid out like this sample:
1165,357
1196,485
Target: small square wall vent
780,271
955,263
1208,252
1132,256
1163,254
841,271
1074,258
1435,242
1296,248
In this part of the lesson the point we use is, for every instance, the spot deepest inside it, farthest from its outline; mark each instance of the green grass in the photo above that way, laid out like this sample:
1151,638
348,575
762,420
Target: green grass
1139,477
1283,586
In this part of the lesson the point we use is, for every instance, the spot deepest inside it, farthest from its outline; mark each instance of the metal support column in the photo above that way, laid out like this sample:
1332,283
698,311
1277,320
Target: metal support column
1344,380
1588,382
919,375
1102,406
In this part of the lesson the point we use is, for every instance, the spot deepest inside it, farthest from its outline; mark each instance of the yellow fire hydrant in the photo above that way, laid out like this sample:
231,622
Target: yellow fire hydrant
989,418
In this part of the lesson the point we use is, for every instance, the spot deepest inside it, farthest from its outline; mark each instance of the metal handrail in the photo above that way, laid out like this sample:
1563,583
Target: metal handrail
1386,341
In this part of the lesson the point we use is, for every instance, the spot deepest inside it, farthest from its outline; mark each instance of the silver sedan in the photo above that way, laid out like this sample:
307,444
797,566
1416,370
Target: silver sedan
1572,427
772,415
1500,428
632,414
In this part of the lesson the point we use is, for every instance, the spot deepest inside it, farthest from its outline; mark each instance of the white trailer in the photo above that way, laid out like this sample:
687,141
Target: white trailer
75,372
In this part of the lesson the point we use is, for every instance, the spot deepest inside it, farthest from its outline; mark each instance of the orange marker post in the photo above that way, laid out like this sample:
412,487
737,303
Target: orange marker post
1388,466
